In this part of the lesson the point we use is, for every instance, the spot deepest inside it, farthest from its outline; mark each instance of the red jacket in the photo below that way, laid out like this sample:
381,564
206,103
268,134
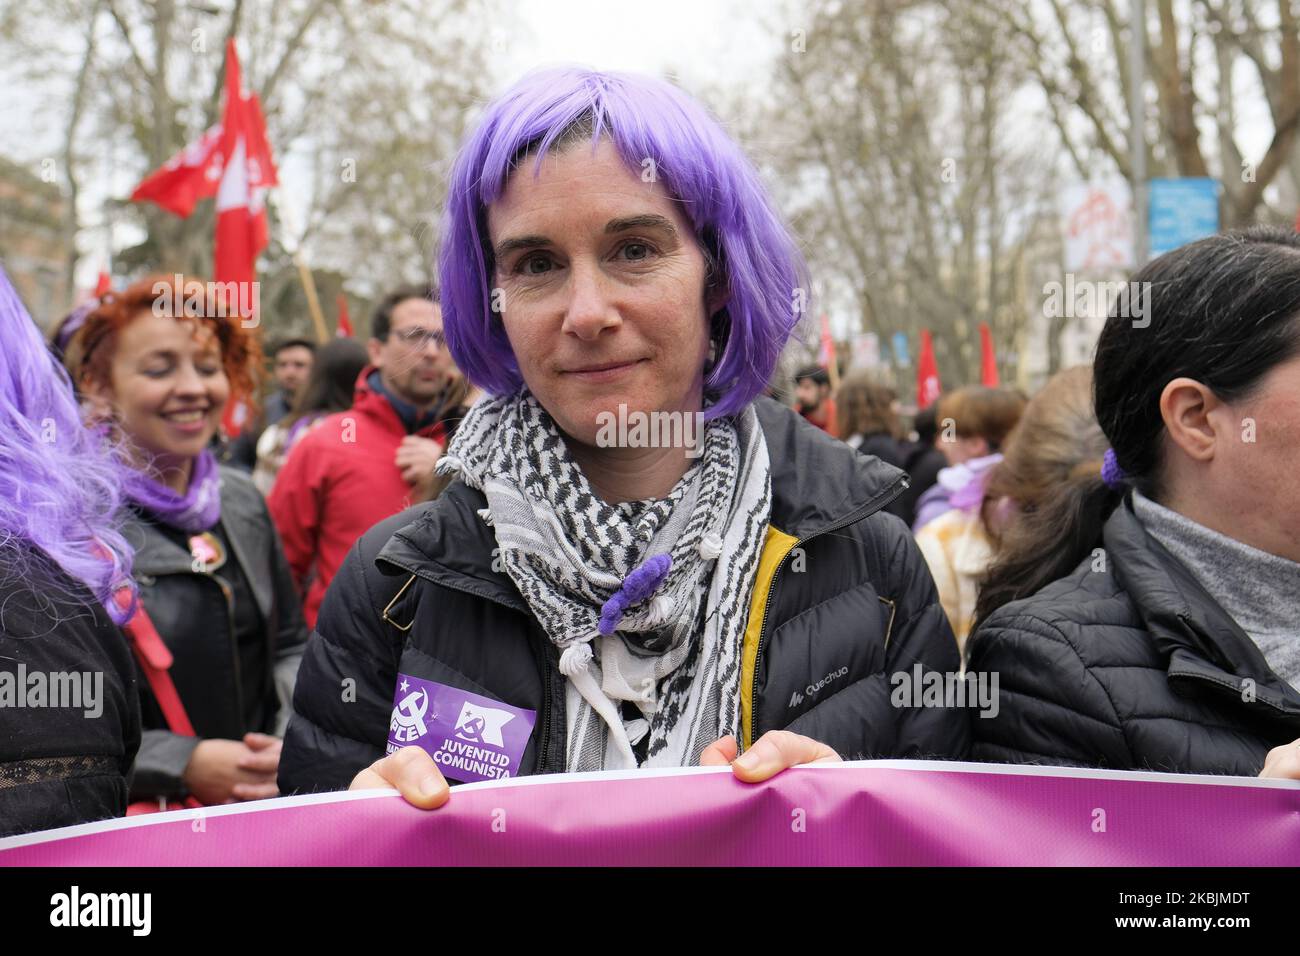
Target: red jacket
338,480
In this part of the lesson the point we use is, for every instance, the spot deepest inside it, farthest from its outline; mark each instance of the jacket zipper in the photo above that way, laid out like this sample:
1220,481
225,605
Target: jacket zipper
865,511
544,731
234,645
544,744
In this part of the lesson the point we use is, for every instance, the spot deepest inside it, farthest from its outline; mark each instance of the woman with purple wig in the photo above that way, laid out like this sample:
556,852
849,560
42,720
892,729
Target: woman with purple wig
69,716
643,563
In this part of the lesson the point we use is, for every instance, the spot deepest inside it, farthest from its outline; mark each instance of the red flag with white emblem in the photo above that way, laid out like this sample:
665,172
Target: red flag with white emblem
241,208
231,161
927,373
192,174
249,173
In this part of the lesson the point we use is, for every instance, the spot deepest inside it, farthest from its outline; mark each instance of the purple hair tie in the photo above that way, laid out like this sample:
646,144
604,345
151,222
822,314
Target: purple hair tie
72,323
1111,472
637,586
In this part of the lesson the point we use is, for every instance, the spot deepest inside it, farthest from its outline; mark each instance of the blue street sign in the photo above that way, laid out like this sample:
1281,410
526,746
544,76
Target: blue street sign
900,349
1181,211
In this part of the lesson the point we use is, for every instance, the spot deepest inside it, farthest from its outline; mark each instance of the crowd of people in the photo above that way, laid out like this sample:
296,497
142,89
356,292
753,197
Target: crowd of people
440,507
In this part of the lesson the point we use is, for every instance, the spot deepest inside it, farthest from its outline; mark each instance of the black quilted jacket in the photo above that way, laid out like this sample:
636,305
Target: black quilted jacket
1128,663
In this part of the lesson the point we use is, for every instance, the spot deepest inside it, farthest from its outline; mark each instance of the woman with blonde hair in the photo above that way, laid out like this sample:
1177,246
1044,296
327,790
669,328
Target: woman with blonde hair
1056,439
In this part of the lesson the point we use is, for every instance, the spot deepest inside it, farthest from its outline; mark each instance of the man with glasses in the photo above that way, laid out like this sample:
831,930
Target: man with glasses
366,464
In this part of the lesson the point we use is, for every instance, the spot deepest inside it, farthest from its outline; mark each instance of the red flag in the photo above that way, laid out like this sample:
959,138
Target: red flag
250,171
826,356
927,373
190,175
104,285
344,330
232,161
988,361
241,206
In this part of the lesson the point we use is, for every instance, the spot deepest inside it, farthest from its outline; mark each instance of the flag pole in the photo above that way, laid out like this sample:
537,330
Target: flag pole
304,273
313,303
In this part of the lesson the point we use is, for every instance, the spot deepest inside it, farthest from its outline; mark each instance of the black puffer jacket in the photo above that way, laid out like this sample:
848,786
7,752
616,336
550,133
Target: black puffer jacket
842,600
1129,664
228,686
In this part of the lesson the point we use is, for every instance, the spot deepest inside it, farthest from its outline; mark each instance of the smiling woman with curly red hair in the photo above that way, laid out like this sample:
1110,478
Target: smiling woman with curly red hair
92,351
156,365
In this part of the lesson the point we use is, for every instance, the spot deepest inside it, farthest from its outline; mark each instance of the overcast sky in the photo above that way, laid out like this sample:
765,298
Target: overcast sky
709,40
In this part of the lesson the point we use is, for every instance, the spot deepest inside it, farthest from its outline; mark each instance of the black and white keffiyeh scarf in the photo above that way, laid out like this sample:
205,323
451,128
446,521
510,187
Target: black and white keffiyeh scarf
646,600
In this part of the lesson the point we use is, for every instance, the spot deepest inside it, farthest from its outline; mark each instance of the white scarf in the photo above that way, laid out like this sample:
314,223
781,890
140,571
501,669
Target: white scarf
673,630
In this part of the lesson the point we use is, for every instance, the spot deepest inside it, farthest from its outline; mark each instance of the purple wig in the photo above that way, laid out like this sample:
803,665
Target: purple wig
60,485
745,242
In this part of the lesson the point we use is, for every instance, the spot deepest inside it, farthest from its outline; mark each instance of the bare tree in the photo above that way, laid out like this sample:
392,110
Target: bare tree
1078,54
372,96
891,143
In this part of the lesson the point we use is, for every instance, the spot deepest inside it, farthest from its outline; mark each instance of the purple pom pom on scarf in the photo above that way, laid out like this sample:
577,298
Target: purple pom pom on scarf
637,586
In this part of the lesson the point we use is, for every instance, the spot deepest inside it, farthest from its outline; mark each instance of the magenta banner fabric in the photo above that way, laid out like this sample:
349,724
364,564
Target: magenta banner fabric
889,813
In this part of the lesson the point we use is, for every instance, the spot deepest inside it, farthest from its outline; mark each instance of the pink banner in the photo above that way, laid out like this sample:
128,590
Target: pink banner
883,813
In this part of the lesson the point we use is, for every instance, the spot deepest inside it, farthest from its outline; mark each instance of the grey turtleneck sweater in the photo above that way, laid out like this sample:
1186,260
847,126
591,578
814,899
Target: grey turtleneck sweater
1260,591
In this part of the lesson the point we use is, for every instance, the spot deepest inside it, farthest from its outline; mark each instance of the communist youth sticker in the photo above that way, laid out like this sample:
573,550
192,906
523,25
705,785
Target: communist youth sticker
469,736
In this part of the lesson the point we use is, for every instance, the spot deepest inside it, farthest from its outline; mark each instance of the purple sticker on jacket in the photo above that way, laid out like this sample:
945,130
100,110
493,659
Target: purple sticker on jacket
470,737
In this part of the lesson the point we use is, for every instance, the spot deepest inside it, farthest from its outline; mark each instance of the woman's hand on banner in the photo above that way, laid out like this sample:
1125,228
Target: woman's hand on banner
1283,762
412,772
775,751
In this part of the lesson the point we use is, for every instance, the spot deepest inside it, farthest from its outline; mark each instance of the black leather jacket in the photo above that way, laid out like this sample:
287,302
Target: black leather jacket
195,613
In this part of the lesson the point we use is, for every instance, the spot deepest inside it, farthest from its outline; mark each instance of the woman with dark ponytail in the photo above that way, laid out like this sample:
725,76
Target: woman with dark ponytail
1147,616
